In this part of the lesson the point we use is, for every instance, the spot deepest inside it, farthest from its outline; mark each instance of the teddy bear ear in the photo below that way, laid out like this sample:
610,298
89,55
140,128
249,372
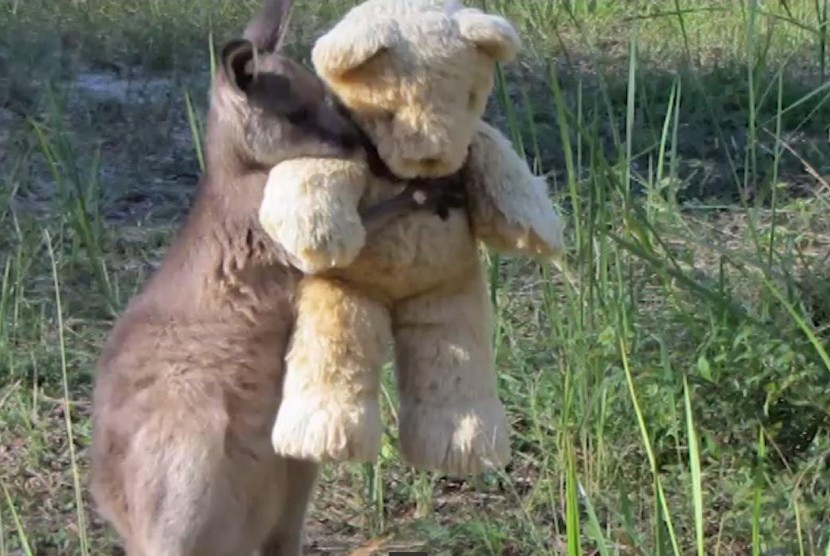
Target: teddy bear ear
347,46
493,34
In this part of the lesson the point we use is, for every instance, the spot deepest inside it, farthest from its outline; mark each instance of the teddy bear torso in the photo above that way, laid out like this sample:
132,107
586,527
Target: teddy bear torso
417,253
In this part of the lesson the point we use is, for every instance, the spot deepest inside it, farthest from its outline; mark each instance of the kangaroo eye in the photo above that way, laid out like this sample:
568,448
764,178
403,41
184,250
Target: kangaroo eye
298,116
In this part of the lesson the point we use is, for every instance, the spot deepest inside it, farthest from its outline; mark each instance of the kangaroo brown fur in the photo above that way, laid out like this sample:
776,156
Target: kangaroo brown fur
189,381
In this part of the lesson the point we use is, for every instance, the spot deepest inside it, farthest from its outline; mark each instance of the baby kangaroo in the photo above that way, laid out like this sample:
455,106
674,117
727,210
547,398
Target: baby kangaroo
189,381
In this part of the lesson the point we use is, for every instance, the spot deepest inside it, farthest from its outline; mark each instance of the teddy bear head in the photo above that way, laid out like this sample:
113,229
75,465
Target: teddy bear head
416,75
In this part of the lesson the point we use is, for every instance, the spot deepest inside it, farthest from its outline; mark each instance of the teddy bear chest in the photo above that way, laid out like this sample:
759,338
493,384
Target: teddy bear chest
417,252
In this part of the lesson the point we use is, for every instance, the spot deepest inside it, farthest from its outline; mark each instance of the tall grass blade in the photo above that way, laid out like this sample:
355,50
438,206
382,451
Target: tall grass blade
799,529
694,466
593,529
21,533
70,440
814,340
196,131
61,159
631,100
659,494
758,494
565,137
572,501
212,52
3,551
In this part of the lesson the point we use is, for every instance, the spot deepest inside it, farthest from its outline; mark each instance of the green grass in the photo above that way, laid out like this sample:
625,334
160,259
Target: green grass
668,383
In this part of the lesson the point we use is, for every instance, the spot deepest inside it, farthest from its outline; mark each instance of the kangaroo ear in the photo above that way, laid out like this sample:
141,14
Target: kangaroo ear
493,34
347,46
268,28
239,63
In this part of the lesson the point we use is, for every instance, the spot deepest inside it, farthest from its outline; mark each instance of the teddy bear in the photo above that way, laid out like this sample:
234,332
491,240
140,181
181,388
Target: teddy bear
415,76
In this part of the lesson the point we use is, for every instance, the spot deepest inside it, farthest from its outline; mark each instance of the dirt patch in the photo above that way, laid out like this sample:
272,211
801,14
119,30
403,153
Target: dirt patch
104,86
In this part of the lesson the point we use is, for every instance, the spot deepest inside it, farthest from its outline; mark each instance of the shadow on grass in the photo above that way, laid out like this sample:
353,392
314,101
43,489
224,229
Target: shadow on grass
719,159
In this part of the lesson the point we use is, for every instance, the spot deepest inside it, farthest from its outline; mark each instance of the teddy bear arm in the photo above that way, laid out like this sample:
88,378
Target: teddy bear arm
330,407
510,207
310,207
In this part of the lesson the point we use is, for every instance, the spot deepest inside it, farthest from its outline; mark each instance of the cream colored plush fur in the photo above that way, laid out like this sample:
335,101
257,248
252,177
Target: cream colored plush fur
416,75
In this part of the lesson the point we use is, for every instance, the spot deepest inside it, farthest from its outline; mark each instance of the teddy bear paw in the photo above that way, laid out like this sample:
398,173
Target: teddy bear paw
313,246
465,439
330,252
326,430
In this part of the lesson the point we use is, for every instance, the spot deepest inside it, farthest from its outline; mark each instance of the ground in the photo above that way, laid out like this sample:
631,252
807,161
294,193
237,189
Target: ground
668,382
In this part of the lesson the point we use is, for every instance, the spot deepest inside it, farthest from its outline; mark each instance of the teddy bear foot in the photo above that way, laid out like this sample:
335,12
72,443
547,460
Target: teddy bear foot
466,439
324,430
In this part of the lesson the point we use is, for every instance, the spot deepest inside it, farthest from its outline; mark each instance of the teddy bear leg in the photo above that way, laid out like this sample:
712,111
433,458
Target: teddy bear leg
329,410
451,418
